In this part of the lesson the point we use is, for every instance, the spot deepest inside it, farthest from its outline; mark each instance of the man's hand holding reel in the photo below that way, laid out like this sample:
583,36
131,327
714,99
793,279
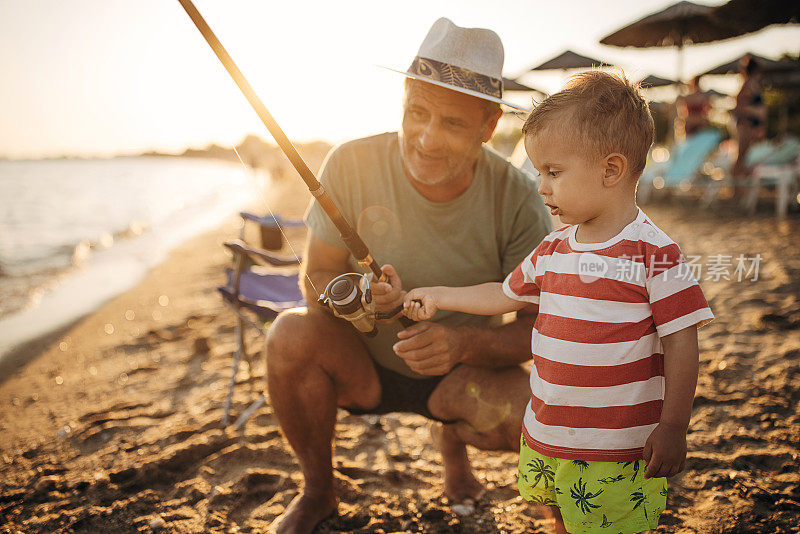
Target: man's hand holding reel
363,301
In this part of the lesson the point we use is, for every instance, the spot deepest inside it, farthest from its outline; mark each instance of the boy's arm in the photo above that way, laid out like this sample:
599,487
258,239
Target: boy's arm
434,349
665,449
484,299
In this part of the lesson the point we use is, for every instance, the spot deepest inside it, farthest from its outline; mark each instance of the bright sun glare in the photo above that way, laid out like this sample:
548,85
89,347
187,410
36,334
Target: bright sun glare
93,78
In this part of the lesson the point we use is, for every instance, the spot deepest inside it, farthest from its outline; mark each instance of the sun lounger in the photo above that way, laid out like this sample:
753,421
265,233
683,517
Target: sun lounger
683,167
776,165
257,290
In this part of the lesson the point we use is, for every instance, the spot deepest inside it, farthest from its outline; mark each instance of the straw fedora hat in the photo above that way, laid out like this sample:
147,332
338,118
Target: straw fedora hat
468,60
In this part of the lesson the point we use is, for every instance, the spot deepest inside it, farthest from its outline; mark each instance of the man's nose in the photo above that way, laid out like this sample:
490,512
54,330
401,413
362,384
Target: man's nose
429,138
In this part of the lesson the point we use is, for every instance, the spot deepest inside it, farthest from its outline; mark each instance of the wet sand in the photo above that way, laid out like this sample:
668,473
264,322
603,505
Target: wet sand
113,425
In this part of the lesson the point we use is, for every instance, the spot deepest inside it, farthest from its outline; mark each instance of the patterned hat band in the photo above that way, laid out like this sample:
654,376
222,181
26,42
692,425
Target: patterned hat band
456,76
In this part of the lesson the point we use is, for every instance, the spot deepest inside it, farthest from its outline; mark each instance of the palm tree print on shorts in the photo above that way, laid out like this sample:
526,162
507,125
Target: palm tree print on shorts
522,475
638,498
581,465
611,480
582,497
545,501
542,471
635,468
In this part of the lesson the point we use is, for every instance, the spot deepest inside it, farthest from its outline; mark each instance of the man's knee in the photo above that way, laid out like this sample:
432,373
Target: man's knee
485,399
291,339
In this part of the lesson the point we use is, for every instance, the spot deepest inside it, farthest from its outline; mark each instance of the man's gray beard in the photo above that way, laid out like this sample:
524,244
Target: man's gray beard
441,180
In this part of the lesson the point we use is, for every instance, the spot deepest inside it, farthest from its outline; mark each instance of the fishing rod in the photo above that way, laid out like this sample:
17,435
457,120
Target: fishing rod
348,295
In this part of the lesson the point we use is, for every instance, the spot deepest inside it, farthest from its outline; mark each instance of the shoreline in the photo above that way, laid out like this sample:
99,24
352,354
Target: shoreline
76,266
19,355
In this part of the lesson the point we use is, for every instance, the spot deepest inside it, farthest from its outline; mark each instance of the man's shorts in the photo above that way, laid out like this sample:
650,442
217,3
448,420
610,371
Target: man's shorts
400,393
593,497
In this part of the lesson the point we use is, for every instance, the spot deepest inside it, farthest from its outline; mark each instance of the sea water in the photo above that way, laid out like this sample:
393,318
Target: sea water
74,233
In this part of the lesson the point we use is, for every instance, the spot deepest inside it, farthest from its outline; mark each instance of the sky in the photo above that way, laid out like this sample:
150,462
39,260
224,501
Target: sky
103,77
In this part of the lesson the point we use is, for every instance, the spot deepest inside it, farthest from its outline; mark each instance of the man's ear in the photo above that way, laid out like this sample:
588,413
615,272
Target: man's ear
615,168
490,126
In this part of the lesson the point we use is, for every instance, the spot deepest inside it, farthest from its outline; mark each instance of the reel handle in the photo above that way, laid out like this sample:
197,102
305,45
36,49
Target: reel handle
405,321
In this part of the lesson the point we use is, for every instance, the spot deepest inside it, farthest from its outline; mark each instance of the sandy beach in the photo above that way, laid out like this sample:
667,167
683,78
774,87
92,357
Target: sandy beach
112,425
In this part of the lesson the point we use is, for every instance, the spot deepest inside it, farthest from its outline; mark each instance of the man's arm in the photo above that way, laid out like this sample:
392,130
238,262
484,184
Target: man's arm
433,349
509,344
323,262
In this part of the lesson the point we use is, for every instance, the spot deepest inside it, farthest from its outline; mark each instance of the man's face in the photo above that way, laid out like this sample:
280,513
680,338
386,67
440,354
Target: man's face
442,133
570,182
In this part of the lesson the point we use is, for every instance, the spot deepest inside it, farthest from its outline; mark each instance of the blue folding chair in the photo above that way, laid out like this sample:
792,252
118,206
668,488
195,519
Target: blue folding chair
257,295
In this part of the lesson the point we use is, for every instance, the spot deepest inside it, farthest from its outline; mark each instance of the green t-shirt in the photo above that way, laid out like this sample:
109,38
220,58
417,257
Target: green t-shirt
481,236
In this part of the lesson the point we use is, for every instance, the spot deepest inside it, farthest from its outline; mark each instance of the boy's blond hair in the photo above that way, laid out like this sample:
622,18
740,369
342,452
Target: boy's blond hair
605,111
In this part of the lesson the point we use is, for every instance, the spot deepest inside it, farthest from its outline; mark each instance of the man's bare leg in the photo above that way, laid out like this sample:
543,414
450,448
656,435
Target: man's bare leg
314,364
460,483
488,405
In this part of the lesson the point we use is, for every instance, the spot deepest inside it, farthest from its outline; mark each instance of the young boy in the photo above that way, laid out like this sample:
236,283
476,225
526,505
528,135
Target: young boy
615,342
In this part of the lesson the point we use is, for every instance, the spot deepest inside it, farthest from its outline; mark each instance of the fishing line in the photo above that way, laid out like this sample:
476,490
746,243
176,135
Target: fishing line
272,214
350,237
358,306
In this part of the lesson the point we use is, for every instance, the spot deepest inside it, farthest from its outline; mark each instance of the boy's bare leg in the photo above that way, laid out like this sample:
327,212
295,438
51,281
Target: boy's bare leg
314,364
488,405
552,512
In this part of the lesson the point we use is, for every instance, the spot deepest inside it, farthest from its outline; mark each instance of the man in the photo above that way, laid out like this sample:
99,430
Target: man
434,207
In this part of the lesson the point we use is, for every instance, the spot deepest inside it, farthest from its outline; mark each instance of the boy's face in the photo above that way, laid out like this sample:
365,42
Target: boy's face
570,182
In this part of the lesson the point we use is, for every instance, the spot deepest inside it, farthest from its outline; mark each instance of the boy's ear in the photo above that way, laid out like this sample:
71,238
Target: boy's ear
615,168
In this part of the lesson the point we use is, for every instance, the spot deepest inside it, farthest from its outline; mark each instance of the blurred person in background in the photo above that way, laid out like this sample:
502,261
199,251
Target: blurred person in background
750,115
692,109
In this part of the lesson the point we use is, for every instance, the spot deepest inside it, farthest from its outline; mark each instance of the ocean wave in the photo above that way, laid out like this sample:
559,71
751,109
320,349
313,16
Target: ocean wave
68,255
77,233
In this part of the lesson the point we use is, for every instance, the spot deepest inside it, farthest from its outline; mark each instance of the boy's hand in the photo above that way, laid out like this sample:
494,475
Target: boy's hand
665,451
420,304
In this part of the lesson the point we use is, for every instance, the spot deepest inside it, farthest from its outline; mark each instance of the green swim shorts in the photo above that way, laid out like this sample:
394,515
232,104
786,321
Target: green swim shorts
593,497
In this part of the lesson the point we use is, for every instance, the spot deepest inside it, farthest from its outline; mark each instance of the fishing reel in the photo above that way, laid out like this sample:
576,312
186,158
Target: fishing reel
349,297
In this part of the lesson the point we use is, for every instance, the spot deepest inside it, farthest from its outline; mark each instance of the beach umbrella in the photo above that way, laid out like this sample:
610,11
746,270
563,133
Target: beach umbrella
747,16
679,24
656,81
767,66
716,94
569,60
510,84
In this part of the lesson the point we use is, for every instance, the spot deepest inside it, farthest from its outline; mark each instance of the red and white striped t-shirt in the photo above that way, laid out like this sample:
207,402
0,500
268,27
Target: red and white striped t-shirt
597,383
